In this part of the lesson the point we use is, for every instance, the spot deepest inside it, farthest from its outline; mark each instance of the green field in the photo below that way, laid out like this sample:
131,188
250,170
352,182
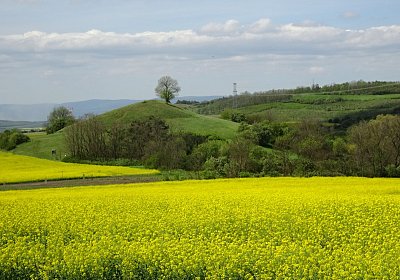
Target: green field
344,107
270,228
42,144
17,168
326,107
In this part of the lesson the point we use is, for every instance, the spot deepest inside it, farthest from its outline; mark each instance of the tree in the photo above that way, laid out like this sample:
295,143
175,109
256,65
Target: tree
377,145
59,118
167,88
86,139
10,139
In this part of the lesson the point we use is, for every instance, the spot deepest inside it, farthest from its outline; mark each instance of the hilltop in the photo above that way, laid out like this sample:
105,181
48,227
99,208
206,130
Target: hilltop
179,118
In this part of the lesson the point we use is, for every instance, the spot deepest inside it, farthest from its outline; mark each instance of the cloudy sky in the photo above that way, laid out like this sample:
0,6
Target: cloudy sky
70,50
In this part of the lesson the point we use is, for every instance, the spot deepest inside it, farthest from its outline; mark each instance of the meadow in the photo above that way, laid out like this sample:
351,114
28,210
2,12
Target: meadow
42,144
265,228
17,168
179,118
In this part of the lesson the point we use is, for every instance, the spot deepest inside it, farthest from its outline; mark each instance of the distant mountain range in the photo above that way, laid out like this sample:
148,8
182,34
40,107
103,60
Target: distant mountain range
39,112
4,125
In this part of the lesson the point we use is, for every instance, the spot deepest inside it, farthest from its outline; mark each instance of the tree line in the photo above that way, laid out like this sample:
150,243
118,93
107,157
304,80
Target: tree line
287,95
146,142
261,149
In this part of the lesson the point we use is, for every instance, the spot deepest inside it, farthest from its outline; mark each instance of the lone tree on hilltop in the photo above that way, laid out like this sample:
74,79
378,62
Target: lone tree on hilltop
167,88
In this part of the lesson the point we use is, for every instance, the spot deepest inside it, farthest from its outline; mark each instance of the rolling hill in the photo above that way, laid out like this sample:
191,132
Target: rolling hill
39,112
342,105
179,119
338,105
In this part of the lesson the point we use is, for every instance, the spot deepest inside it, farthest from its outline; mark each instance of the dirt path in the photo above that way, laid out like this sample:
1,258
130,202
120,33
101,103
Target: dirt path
81,182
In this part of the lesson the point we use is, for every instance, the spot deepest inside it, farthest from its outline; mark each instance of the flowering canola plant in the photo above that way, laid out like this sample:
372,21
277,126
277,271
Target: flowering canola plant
16,168
265,228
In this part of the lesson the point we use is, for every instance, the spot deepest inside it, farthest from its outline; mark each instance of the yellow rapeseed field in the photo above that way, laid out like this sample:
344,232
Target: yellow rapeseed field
268,228
16,168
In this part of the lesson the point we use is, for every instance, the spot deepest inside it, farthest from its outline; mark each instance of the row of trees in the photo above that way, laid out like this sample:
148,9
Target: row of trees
262,149
289,95
146,141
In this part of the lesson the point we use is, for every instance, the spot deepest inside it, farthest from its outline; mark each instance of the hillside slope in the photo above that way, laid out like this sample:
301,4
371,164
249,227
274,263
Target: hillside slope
179,118
42,145
343,107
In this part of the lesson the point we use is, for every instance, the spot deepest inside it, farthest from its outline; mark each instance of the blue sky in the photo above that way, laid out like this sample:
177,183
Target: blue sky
69,50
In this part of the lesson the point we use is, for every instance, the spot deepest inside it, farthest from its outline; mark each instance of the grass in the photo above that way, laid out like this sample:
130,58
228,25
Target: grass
268,228
17,168
178,117
205,125
326,107
42,144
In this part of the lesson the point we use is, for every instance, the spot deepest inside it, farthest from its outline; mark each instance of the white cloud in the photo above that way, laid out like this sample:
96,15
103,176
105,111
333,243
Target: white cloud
230,26
374,37
260,26
258,55
316,70
227,39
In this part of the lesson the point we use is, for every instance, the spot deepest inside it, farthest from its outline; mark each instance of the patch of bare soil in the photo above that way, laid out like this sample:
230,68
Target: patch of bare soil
81,182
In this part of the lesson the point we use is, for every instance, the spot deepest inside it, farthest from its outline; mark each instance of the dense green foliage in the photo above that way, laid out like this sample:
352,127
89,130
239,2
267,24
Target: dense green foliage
340,104
59,118
148,141
10,139
260,149
306,134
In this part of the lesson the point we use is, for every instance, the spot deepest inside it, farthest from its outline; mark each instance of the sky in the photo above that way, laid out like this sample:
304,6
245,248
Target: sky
54,51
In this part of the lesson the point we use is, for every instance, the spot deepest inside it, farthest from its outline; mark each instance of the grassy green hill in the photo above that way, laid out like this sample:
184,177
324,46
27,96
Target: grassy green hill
343,107
42,144
334,108
178,117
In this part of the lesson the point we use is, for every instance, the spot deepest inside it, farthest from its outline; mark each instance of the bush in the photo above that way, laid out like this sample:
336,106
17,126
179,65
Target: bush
393,171
10,139
234,116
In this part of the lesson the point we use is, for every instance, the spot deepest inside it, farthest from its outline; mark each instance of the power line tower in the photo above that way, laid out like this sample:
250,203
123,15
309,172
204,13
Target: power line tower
234,105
